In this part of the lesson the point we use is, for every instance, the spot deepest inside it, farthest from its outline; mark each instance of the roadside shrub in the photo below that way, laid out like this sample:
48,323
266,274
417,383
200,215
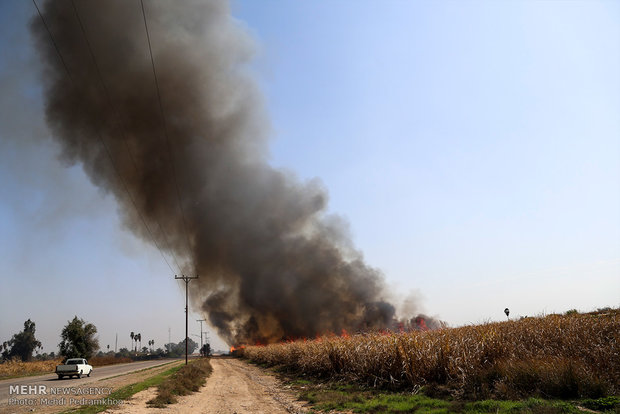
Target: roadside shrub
99,361
185,381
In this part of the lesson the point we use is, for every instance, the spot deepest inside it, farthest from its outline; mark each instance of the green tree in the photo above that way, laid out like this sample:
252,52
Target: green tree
123,352
78,339
178,350
206,350
22,344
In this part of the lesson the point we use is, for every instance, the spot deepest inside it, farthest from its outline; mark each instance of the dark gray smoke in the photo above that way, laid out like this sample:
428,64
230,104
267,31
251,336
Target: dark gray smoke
272,265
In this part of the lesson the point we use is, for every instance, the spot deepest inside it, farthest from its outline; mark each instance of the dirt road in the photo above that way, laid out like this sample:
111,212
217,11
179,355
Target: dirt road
234,387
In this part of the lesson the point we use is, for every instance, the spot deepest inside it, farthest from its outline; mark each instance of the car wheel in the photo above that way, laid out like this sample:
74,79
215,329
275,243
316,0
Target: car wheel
59,376
89,372
79,375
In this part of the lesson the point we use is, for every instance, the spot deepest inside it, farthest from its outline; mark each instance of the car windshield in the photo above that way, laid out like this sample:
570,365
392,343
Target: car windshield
74,361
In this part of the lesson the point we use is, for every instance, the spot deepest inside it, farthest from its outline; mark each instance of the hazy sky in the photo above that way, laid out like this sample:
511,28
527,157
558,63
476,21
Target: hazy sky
473,146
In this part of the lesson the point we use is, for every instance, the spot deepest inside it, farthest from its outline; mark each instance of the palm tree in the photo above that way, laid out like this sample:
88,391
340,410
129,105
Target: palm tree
140,339
132,338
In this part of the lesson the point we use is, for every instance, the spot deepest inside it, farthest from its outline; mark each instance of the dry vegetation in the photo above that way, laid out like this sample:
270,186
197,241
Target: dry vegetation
16,367
185,381
565,356
107,360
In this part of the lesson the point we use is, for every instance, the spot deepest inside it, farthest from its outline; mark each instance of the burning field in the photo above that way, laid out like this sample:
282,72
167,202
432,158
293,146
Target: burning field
553,356
155,102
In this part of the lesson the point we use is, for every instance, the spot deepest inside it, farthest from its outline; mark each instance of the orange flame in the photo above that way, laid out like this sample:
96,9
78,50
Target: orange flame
233,348
421,323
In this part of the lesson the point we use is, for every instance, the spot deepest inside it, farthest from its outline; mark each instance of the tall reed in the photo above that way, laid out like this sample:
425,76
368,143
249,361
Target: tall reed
573,355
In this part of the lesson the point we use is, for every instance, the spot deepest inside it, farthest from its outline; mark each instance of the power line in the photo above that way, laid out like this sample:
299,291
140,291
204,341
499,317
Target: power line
165,128
118,117
64,64
186,279
102,141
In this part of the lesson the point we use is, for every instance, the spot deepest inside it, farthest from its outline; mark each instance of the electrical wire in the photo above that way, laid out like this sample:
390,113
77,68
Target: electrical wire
105,146
165,128
116,113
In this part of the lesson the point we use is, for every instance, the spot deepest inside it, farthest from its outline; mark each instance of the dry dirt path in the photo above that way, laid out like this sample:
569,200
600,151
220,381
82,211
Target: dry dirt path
234,387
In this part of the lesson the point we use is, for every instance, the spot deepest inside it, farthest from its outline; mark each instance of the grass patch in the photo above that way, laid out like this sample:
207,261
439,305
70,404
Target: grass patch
533,405
127,391
185,381
603,404
357,398
374,402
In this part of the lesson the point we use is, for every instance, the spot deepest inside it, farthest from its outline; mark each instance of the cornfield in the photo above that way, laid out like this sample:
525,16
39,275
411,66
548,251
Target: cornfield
576,355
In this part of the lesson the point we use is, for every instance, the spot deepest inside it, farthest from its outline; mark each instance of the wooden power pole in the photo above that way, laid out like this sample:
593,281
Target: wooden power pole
201,321
186,279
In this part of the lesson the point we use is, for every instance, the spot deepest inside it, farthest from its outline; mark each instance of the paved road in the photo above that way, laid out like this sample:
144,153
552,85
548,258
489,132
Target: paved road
51,380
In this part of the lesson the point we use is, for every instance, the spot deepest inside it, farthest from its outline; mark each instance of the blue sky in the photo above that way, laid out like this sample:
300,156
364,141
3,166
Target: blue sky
474,148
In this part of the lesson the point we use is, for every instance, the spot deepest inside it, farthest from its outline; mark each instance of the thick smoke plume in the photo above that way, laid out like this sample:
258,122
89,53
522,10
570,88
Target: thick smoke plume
272,264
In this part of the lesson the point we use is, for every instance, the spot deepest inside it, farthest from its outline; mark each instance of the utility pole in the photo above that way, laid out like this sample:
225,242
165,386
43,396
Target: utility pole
186,279
201,321
116,342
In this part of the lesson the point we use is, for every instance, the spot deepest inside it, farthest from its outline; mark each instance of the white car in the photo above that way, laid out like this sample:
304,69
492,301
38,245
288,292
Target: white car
74,366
